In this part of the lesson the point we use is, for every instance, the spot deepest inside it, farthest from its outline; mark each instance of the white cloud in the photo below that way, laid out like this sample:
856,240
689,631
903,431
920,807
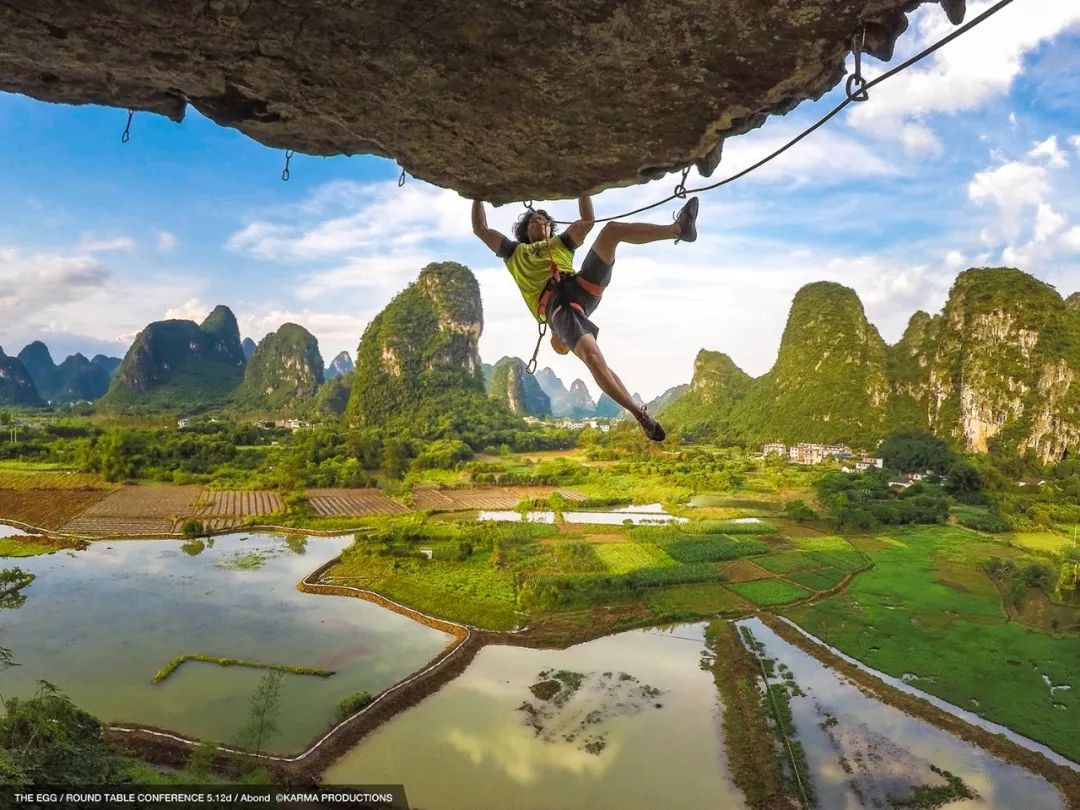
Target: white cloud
120,243
1012,187
191,310
954,259
967,72
919,139
166,241
1012,119
1049,149
826,155
343,217
1047,222
70,294
1074,142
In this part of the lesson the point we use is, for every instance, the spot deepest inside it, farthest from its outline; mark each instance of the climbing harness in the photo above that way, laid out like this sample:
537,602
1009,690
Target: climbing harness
285,171
551,288
127,129
856,88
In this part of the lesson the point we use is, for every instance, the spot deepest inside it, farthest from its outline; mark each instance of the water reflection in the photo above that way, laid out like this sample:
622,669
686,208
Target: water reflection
472,746
858,747
99,623
651,514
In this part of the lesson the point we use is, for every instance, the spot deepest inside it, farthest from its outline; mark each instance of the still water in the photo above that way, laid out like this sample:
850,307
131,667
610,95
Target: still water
650,514
472,746
100,623
878,751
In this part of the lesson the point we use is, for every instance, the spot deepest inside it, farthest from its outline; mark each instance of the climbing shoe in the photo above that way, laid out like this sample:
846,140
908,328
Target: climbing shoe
651,427
687,219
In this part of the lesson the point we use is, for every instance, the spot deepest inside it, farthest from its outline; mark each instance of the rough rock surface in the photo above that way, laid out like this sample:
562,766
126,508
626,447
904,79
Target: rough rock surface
501,101
518,390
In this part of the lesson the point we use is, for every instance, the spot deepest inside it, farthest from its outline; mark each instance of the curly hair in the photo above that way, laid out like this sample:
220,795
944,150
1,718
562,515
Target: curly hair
521,227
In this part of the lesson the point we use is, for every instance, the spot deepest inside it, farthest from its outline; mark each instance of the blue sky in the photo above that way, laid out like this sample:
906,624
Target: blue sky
969,159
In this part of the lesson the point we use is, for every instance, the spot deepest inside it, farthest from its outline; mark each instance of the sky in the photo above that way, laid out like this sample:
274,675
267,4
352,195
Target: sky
969,159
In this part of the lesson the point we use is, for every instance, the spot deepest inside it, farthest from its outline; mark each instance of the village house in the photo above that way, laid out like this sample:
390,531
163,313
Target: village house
810,453
779,448
292,424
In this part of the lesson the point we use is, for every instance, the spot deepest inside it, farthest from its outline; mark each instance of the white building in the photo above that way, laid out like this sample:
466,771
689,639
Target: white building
779,448
809,453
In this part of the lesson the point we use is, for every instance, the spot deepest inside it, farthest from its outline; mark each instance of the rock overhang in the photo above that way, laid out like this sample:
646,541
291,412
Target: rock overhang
498,100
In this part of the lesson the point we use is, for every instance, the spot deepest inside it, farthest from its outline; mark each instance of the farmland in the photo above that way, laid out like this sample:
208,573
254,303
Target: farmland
928,609
221,509
457,500
137,511
353,503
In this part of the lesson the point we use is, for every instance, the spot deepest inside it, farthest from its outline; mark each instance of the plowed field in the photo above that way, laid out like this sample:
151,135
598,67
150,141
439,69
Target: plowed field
16,479
225,509
452,500
137,510
47,508
352,502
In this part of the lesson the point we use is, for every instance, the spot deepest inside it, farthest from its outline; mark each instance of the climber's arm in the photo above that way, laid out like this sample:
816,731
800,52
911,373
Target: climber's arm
489,236
580,229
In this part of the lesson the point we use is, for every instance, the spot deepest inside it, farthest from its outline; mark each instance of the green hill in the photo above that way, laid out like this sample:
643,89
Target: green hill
1000,364
829,382
705,410
518,390
74,380
285,369
180,365
417,366
16,385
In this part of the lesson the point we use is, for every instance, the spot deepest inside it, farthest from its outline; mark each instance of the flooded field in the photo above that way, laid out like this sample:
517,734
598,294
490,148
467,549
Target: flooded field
100,623
651,514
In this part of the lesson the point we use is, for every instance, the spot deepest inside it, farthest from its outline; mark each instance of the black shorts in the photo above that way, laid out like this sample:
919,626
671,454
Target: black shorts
575,298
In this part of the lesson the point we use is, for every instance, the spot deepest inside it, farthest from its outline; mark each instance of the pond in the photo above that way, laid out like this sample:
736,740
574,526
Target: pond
475,745
650,514
100,623
857,746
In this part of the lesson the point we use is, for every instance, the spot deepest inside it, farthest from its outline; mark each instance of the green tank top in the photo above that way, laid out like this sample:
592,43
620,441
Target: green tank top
528,264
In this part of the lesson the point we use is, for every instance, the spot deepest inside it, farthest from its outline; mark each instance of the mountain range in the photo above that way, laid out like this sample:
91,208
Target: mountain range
999,365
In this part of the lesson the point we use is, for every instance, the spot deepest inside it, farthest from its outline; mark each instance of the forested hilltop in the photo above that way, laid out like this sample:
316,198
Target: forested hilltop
997,367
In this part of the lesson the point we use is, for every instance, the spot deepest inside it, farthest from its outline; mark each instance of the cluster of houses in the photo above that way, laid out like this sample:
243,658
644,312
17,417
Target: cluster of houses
572,424
291,424
812,453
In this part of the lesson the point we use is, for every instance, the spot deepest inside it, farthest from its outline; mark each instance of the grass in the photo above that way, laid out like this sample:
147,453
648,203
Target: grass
623,558
22,547
1051,542
820,580
170,667
784,561
472,591
769,592
927,608
712,548
700,598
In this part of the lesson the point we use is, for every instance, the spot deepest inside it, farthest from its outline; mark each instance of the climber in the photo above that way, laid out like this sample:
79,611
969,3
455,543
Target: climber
542,265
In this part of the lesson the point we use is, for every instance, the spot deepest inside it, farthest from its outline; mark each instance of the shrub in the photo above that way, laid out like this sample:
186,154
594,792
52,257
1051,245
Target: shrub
351,704
192,527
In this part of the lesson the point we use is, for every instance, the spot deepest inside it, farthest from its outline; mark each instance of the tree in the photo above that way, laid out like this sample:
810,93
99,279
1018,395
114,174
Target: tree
47,740
262,723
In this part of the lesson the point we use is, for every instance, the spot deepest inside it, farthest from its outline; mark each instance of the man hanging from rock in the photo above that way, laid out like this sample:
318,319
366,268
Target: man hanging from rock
542,265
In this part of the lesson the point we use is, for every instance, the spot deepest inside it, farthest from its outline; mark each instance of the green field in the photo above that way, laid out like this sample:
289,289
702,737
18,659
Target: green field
768,592
10,547
622,558
926,608
786,561
819,580
703,598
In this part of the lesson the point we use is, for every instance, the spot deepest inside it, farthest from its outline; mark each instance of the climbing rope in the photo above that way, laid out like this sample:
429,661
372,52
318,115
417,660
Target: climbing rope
855,91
